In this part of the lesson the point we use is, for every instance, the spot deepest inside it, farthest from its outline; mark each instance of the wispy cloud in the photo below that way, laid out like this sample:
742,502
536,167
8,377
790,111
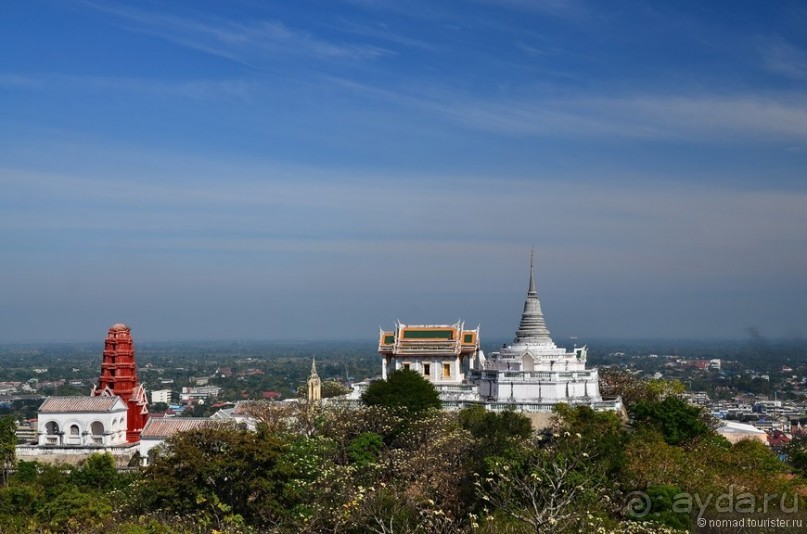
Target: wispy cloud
272,206
249,43
186,89
703,116
380,31
782,58
557,8
212,230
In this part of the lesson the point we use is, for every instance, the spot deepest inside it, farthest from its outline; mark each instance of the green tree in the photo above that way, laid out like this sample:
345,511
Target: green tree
403,389
495,432
220,473
796,452
546,487
363,450
676,420
604,431
8,444
632,389
661,500
97,472
76,511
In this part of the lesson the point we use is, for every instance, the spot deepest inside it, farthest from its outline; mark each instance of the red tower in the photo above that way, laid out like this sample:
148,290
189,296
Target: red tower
119,377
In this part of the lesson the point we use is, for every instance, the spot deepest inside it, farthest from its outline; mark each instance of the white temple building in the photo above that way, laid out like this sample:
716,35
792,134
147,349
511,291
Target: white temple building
532,374
82,421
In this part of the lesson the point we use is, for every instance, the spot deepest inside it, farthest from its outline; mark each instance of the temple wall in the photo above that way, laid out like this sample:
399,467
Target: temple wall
74,455
435,369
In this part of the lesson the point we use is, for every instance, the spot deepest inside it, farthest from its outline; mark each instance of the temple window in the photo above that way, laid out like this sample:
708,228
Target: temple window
74,430
426,369
446,370
97,428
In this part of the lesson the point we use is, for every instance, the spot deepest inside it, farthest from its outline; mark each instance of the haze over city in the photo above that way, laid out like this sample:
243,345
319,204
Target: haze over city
314,170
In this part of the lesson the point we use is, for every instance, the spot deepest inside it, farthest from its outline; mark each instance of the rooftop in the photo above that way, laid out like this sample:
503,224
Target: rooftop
168,426
82,404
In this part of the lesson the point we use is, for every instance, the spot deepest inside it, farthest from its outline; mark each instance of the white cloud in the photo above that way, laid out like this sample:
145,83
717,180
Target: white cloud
184,89
704,116
249,43
558,8
785,59
221,206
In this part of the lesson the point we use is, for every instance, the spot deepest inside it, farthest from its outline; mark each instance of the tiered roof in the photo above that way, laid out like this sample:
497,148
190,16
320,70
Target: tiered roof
418,340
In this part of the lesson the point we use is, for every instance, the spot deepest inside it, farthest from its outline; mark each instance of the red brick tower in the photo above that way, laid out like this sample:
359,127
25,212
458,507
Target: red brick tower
119,377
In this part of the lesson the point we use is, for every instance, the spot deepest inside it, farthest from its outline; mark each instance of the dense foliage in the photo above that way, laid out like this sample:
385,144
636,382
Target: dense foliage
379,468
403,389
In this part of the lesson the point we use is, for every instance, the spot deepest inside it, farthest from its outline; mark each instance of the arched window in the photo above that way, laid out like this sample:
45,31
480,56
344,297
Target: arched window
52,428
74,430
97,428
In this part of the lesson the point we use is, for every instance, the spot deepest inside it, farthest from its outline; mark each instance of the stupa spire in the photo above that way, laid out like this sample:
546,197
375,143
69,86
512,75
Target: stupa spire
532,328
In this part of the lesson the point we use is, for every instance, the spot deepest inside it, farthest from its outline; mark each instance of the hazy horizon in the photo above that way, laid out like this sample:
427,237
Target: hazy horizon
317,169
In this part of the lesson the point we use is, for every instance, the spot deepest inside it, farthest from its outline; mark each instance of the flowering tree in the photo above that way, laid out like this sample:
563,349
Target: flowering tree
8,444
543,487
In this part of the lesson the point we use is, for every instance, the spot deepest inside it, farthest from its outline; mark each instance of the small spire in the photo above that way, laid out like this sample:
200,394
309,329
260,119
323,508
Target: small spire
531,290
314,384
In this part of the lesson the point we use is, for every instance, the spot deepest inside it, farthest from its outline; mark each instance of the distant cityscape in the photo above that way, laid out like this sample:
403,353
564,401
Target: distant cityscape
761,383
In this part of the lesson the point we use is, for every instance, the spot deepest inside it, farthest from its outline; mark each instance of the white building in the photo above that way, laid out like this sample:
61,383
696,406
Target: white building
203,392
435,351
82,421
734,432
159,429
532,374
162,395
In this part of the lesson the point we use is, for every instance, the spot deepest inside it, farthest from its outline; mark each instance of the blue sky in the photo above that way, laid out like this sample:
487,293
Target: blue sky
315,169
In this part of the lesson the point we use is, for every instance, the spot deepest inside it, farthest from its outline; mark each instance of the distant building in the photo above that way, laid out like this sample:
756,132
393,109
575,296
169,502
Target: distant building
241,413
734,432
532,374
698,398
203,392
157,430
166,396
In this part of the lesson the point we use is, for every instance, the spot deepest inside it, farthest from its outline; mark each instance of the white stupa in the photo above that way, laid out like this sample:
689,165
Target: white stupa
530,375
533,373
